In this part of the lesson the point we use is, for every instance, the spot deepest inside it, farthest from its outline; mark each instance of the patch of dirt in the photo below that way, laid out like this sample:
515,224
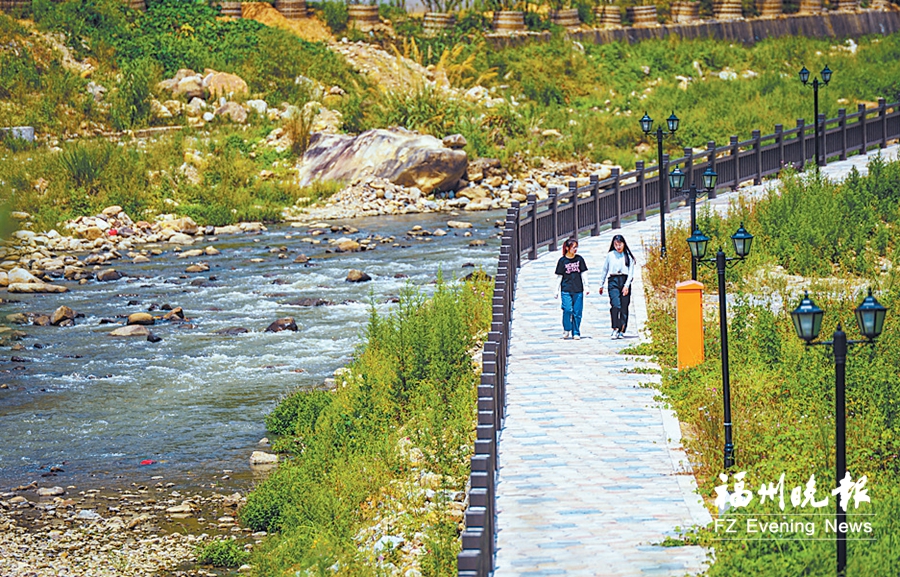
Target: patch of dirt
310,28
393,72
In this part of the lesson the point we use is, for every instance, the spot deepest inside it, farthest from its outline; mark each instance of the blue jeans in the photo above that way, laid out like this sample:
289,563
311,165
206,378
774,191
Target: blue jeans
572,305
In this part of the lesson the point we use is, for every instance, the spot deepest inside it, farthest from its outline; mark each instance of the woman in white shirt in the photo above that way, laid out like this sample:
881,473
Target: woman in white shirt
619,269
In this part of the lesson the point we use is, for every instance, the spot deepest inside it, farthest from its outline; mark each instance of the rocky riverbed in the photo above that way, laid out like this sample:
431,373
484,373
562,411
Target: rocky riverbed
48,530
82,409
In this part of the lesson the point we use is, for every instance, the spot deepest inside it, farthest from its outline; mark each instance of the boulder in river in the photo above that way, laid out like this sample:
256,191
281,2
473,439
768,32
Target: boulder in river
36,287
51,491
17,318
61,314
21,276
263,458
310,302
357,276
109,274
401,156
176,314
131,331
140,319
232,331
285,324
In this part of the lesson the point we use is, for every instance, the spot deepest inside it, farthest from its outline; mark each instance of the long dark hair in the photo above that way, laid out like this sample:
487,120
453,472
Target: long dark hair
626,250
568,244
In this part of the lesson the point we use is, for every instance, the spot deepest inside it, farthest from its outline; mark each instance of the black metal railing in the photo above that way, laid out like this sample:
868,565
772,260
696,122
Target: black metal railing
576,210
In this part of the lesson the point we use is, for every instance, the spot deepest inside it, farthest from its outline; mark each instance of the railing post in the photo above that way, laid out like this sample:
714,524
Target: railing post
842,124
515,225
642,190
861,108
617,191
711,147
757,154
688,169
532,206
573,193
595,197
824,140
882,114
663,182
735,160
554,223
801,136
779,141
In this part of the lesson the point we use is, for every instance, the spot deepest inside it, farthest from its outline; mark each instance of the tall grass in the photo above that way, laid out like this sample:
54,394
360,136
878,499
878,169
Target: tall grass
411,388
783,392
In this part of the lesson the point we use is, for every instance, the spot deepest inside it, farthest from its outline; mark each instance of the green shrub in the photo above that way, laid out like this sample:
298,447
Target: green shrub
413,378
782,392
222,553
85,163
130,103
300,409
426,109
335,15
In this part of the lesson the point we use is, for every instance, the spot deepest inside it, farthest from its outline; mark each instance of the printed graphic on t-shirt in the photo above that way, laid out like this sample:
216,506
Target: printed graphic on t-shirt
572,267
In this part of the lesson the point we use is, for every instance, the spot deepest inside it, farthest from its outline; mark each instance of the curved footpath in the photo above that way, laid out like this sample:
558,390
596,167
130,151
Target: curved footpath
592,474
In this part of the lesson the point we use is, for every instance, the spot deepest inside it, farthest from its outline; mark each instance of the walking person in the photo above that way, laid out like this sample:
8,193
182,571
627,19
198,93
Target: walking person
619,269
573,285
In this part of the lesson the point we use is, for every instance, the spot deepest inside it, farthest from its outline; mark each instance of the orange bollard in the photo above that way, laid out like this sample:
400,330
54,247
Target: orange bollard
689,323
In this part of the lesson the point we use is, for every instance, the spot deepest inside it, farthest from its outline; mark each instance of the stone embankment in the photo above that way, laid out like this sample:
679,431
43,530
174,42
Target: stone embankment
486,186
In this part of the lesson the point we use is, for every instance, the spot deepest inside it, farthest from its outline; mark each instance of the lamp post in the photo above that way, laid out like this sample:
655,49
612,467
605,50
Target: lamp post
741,241
807,318
647,127
676,182
826,78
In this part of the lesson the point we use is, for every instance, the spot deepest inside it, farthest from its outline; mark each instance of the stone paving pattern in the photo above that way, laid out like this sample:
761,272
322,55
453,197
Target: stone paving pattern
592,474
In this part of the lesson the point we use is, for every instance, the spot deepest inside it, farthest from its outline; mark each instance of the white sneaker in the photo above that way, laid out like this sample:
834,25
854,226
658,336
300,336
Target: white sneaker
567,334
621,335
614,335
577,337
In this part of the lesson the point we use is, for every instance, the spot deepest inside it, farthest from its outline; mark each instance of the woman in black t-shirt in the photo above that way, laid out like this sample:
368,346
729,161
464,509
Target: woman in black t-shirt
573,285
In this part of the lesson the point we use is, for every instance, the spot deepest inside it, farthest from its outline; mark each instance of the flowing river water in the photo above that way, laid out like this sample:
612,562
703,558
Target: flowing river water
97,406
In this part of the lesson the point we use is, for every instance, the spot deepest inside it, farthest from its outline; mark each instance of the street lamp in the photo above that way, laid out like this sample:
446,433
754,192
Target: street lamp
676,182
741,241
647,127
807,318
826,78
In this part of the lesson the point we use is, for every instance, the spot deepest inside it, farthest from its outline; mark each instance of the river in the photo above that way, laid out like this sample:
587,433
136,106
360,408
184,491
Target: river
97,406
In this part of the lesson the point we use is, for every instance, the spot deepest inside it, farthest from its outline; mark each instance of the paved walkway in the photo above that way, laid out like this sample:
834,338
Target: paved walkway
592,472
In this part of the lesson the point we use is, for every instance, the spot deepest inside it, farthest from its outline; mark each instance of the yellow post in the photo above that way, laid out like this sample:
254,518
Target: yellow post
689,323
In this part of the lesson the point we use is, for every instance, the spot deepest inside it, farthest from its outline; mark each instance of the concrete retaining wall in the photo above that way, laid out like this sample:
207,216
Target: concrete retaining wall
834,25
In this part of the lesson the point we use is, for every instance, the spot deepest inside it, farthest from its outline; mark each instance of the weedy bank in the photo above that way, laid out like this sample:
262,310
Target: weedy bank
376,469
834,240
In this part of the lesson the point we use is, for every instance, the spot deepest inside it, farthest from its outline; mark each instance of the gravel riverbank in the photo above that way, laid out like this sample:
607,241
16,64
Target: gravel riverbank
138,531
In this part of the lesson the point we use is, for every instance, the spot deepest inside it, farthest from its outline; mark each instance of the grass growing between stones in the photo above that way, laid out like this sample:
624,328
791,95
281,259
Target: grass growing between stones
826,238
376,468
220,176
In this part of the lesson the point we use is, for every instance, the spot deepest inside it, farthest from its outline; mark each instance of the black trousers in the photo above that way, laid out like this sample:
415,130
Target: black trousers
618,303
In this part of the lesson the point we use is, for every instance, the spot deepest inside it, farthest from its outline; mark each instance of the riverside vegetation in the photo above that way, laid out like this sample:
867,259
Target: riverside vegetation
558,100
376,472
834,240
